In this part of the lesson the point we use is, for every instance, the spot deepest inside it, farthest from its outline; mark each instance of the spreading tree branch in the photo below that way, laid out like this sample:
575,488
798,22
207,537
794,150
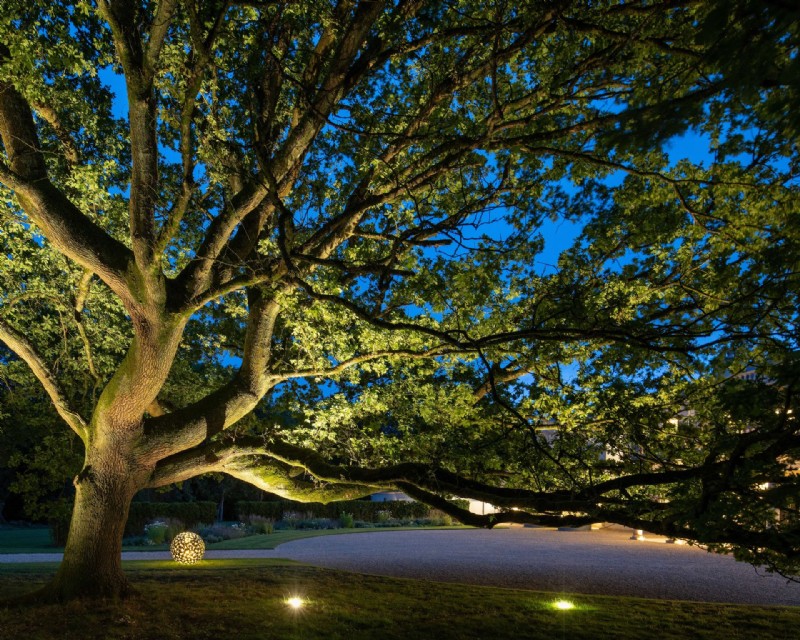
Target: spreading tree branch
189,426
70,231
20,345
139,63
80,303
349,363
248,463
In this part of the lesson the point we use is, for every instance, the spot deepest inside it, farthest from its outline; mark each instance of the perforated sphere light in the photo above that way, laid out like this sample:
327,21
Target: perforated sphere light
187,548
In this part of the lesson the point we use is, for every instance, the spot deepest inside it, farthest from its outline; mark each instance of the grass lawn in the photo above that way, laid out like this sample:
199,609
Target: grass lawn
37,539
246,599
272,540
26,540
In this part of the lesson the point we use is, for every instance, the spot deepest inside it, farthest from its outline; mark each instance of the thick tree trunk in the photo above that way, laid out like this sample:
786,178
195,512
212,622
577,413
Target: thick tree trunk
92,565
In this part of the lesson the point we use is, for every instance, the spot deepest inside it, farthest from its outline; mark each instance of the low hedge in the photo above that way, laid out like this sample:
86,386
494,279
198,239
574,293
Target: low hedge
190,514
359,509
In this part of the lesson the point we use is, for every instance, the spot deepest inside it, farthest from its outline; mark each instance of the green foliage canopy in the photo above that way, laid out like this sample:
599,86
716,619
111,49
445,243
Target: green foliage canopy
312,254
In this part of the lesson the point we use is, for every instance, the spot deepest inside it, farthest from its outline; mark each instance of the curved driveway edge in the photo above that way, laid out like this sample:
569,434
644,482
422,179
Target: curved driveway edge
604,562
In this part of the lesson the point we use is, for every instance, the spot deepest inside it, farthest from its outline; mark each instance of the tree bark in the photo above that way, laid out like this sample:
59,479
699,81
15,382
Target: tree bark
92,564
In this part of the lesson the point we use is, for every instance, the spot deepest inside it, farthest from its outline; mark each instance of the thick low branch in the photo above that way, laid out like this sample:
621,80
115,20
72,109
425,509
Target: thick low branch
247,458
555,508
423,476
208,457
248,464
277,479
780,541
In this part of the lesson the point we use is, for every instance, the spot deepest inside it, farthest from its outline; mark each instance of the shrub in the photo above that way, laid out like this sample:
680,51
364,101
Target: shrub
162,531
271,509
260,524
174,527
440,519
346,520
156,532
292,518
191,514
218,532
358,509
134,541
316,523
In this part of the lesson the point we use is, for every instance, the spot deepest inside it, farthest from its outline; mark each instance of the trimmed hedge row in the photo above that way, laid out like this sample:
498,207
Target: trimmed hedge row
359,509
190,513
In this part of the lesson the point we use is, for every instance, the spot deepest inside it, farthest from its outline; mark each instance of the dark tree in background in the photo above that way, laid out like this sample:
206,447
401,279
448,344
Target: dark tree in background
310,245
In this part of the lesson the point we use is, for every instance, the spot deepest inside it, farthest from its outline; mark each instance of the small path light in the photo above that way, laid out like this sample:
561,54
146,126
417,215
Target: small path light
295,602
187,548
563,605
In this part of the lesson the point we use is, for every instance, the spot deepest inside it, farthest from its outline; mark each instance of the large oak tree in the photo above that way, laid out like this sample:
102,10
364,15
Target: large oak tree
310,245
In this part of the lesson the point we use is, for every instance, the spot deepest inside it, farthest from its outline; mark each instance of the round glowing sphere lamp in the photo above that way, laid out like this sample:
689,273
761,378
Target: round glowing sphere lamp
187,548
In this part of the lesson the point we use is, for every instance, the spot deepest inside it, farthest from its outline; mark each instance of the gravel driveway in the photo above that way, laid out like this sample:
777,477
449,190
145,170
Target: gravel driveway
597,562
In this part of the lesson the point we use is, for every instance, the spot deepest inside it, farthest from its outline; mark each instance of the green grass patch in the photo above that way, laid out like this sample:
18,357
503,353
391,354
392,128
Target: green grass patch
37,540
246,599
272,540
26,540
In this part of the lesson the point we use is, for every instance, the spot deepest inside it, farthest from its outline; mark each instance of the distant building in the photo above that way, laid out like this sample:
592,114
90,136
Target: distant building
482,508
748,374
390,496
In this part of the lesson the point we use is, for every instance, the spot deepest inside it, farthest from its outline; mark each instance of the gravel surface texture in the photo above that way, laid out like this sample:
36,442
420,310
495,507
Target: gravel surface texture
605,562
599,562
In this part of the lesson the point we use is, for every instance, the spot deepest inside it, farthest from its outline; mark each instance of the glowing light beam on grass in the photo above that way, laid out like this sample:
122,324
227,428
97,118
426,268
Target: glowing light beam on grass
563,605
295,602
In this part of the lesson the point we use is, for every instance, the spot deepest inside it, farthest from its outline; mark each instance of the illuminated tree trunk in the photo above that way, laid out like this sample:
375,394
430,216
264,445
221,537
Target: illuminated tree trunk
92,558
